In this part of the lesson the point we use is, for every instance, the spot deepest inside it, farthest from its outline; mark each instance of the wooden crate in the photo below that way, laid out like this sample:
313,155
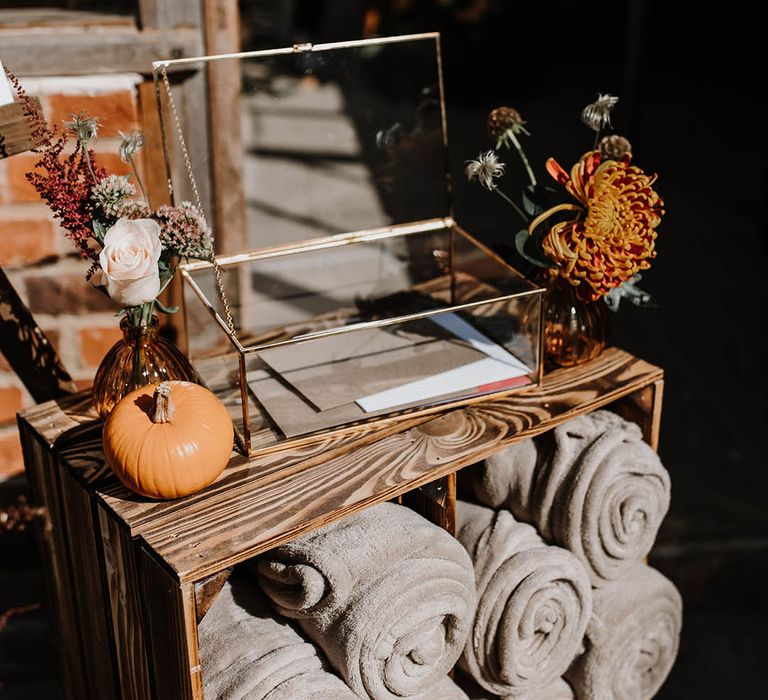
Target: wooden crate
16,129
128,578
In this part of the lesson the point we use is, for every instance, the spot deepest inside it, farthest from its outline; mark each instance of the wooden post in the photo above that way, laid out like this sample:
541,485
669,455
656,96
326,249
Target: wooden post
222,35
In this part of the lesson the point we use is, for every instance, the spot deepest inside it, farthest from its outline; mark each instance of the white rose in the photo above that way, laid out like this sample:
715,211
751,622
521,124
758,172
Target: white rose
128,260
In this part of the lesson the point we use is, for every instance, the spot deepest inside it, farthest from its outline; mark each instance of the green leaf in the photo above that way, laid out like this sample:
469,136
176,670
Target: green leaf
523,245
165,309
99,229
538,198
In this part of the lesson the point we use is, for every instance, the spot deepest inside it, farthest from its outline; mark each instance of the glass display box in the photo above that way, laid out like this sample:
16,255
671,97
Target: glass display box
360,301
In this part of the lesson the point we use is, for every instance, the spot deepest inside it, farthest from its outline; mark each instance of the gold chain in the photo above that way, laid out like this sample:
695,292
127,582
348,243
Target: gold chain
198,203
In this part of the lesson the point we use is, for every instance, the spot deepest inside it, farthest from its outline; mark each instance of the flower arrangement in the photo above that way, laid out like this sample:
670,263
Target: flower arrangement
599,243
134,249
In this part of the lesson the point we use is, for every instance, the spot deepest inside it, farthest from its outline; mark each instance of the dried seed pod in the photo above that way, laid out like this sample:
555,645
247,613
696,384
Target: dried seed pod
615,146
501,120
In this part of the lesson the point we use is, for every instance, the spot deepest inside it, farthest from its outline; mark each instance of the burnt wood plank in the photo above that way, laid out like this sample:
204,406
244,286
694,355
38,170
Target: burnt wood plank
80,522
644,408
16,129
59,586
257,504
171,629
436,501
246,521
124,600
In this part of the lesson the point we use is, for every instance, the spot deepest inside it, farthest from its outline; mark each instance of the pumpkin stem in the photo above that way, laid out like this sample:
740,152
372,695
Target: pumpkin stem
162,407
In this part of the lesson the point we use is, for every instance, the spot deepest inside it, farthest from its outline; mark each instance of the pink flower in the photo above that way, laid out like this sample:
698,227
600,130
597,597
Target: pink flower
129,260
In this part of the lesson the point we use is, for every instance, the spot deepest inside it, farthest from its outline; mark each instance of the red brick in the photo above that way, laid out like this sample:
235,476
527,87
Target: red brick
113,165
24,241
10,402
115,111
11,459
58,293
96,342
19,189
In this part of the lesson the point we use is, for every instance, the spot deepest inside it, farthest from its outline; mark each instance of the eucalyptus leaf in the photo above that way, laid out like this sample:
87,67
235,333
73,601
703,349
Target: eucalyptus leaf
538,198
165,309
523,245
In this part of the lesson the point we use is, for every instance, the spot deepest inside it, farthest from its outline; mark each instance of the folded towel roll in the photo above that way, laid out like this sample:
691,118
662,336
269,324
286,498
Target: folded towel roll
386,594
632,639
590,485
559,690
247,654
534,602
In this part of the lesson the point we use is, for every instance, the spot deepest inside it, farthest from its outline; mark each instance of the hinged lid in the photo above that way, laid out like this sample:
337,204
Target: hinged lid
335,138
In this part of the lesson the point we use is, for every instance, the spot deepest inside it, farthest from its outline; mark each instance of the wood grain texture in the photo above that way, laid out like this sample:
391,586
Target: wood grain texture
41,473
257,518
80,521
171,628
436,501
15,129
256,505
123,590
207,590
644,408
119,51
224,77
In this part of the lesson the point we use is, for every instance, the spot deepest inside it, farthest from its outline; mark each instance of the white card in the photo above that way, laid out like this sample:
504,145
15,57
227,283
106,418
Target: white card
474,376
6,94
459,327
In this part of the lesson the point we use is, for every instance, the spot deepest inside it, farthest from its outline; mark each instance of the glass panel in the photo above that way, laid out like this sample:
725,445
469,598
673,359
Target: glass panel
312,290
283,299
336,139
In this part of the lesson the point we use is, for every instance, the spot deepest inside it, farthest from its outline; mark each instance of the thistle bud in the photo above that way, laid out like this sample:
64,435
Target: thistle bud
615,146
502,119
83,127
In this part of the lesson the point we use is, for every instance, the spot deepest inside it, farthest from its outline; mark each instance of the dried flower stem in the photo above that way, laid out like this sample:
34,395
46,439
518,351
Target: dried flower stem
88,163
522,214
510,134
138,179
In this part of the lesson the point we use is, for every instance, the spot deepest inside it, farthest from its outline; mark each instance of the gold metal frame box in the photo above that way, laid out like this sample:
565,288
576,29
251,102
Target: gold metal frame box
357,269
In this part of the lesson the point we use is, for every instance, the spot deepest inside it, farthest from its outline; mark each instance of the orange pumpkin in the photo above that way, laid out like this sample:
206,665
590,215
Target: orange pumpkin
168,440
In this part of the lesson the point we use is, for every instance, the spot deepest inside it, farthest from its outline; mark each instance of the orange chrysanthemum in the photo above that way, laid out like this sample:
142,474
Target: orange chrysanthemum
613,235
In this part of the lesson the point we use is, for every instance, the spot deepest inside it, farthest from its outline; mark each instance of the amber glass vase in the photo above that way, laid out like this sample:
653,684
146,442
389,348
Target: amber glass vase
142,357
575,331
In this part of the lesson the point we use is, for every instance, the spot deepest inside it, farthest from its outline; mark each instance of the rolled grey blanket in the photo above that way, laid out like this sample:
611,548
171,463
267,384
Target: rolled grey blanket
590,485
386,594
534,603
559,690
632,640
247,654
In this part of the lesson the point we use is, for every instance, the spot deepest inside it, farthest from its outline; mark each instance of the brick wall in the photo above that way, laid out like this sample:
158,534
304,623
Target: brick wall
41,262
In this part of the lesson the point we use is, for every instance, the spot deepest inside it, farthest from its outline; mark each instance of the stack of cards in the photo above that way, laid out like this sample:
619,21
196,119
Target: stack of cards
345,378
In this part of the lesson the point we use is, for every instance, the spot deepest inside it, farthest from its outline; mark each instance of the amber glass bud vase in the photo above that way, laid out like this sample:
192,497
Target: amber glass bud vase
142,357
575,330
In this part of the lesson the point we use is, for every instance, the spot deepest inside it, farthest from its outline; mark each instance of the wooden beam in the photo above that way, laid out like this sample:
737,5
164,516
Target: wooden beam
73,52
162,14
15,129
222,35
